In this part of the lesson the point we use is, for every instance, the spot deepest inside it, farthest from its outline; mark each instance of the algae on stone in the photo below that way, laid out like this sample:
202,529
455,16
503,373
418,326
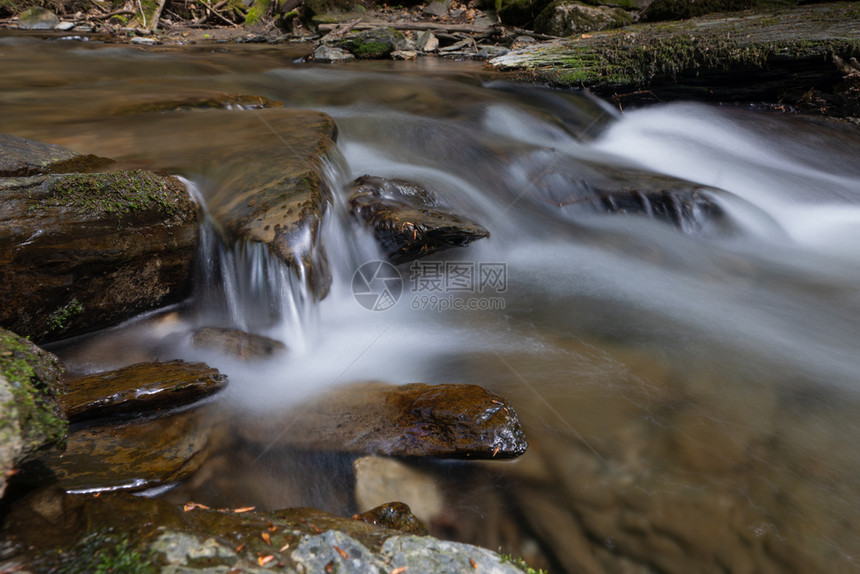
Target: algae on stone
30,416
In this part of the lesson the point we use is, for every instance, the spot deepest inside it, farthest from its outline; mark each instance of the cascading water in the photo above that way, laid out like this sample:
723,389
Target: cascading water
688,384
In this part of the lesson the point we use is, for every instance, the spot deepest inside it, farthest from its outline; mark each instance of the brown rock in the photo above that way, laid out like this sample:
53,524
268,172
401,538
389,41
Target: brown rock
135,455
237,344
140,388
393,515
85,251
450,420
408,221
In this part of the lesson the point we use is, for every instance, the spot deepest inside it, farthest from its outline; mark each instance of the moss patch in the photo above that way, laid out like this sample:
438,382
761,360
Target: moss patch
33,375
60,318
120,193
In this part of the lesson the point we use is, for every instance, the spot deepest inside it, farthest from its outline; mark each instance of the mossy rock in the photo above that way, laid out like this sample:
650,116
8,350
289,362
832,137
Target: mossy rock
30,416
568,17
683,9
374,44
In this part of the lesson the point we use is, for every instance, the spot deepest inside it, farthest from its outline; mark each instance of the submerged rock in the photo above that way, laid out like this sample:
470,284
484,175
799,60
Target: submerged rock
408,222
89,249
449,420
30,416
140,388
135,455
393,515
237,344
22,157
381,479
54,531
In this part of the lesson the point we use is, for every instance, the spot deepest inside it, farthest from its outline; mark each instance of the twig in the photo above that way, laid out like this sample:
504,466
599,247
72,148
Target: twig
119,12
101,8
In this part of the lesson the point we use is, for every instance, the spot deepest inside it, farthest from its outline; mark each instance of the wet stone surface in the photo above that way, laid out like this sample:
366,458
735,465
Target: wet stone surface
448,420
237,344
393,515
407,220
140,388
89,249
135,455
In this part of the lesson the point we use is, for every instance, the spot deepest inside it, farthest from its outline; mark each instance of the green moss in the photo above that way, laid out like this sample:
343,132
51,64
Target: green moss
521,564
105,553
32,374
117,193
258,9
59,318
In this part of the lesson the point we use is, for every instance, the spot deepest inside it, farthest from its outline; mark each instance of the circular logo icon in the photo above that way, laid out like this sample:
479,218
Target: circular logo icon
377,285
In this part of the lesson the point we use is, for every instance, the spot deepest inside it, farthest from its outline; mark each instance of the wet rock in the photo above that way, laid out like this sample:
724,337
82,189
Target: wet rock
691,210
407,220
148,103
268,182
140,388
393,515
380,479
22,157
30,416
332,54
37,18
84,251
54,531
449,420
568,17
135,455
237,344
374,44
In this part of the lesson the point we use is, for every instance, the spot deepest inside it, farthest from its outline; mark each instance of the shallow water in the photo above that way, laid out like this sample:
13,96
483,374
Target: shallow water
690,398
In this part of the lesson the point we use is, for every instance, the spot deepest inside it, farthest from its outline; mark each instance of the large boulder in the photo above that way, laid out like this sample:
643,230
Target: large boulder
82,251
30,416
569,17
446,421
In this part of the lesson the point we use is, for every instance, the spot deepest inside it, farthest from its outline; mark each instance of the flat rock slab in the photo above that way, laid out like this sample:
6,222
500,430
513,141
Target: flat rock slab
83,251
54,531
237,344
22,157
449,420
747,56
407,220
141,388
135,455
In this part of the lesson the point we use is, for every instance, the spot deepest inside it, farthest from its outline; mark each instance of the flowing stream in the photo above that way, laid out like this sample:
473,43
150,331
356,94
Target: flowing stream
690,389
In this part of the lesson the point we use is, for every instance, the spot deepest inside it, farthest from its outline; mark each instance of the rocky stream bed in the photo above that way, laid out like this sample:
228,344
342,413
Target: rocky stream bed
137,468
